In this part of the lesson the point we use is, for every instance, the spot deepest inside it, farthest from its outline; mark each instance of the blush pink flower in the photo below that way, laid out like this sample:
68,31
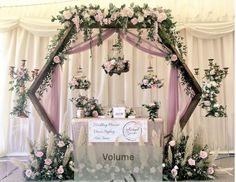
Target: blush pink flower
48,162
98,17
95,114
61,144
114,15
145,81
203,154
57,59
174,57
20,74
191,162
60,170
174,172
39,154
67,14
161,17
134,21
210,170
28,173
172,143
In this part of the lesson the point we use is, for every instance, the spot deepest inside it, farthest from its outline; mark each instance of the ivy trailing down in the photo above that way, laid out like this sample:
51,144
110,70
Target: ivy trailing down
158,22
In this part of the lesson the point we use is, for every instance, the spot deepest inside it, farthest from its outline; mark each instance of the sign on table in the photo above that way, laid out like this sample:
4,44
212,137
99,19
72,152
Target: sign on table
121,130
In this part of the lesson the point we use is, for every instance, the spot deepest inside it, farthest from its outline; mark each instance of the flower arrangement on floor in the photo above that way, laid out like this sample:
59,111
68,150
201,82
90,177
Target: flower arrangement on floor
186,157
19,79
90,106
151,81
210,89
128,112
51,160
152,109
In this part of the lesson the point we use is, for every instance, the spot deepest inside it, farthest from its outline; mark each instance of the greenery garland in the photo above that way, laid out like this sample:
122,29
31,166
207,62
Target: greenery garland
158,21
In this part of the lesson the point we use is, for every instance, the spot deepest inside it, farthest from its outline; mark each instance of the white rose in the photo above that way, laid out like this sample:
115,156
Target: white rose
207,103
113,61
172,143
140,19
216,105
212,72
216,114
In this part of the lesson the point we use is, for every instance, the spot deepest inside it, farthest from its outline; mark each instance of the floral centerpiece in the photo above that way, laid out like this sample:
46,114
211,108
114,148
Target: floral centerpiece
79,83
90,106
52,160
186,157
128,112
19,78
210,89
152,110
151,81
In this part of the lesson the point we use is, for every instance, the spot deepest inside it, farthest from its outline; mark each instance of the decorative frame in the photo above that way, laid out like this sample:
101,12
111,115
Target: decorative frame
192,84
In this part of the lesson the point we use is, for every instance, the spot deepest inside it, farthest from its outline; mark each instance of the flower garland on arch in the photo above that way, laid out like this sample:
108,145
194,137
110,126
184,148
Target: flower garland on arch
158,22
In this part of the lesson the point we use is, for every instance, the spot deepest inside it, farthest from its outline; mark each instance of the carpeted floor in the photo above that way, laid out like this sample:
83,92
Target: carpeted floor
10,173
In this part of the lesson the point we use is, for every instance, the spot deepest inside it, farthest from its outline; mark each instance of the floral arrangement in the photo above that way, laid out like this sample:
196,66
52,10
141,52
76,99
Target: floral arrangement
51,160
151,81
186,157
79,83
84,18
152,110
210,89
116,66
19,78
90,106
128,112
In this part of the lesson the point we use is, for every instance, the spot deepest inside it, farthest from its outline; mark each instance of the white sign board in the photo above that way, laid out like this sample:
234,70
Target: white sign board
121,130
118,112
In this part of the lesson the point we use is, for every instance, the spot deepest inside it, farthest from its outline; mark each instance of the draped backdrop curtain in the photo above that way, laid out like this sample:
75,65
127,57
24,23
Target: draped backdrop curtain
27,38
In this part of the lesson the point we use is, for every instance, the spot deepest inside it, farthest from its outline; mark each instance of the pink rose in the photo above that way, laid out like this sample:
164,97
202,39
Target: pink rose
61,144
172,143
73,82
210,170
60,170
174,172
95,114
48,162
191,162
57,59
161,17
98,17
145,81
174,57
39,154
67,14
28,172
134,21
203,154
76,22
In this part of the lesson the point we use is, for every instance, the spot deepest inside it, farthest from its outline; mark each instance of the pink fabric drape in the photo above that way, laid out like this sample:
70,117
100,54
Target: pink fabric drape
178,100
176,104
51,100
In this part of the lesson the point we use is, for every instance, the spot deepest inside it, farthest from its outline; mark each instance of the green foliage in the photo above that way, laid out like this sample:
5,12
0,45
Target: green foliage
211,89
152,110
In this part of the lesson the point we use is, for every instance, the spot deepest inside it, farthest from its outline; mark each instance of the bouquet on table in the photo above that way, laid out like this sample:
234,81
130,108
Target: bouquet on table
152,110
90,106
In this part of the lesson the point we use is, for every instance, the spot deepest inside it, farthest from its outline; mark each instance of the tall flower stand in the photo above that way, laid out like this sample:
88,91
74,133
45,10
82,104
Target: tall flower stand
18,134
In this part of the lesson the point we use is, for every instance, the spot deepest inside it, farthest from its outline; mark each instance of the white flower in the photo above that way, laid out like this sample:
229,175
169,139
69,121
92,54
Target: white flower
203,154
207,103
212,72
140,19
152,170
163,165
136,169
217,114
28,173
172,143
176,167
67,14
113,61
216,105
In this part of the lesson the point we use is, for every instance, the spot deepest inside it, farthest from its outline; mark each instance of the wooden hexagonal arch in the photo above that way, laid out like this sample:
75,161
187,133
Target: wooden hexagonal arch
189,78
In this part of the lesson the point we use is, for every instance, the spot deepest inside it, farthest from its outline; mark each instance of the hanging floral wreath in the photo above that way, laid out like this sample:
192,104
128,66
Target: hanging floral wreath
210,88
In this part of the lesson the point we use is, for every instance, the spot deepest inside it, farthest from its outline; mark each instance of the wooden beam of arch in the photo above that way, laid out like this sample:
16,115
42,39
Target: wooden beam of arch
59,48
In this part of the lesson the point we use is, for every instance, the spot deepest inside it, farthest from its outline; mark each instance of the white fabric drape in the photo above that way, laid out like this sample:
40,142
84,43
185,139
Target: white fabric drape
24,38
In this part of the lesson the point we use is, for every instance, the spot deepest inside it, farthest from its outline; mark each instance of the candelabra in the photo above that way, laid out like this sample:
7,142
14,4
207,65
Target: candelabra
214,76
19,79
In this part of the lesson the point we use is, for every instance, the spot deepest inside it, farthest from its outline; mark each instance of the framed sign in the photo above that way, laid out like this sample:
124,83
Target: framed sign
121,130
118,112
